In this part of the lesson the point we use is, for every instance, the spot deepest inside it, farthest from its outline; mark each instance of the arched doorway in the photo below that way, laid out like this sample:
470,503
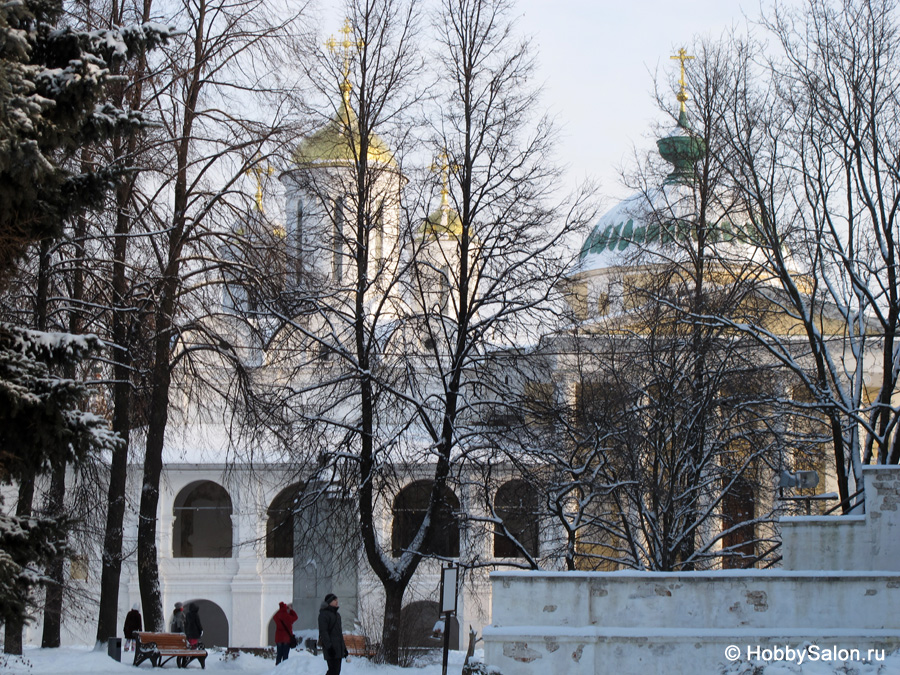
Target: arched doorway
202,526
417,624
410,506
280,523
270,633
516,504
214,621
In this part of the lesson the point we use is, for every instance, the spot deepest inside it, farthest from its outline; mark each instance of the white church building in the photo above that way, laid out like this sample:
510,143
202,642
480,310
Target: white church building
226,528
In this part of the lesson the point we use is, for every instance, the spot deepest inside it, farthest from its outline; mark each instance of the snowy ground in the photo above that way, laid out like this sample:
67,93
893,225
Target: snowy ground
76,660
85,660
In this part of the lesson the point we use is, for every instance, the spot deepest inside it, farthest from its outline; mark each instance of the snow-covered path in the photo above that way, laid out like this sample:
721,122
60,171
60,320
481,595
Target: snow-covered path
75,660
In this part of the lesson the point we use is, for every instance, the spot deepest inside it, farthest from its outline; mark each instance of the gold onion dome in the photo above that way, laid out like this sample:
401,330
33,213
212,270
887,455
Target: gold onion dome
442,222
338,143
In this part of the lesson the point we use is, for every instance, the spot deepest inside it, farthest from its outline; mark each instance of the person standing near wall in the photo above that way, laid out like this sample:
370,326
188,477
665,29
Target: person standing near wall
331,635
193,629
176,623
133,623
284,620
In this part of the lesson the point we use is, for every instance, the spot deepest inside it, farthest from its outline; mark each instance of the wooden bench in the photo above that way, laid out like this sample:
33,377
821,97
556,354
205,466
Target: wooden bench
358,645
160,648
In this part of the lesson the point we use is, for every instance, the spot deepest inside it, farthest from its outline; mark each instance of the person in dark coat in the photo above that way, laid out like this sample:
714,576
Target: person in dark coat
331,635
193,629
284,620
176,623
133,623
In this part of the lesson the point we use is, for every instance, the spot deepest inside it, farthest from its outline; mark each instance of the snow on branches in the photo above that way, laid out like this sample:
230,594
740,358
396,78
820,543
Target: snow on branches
41,424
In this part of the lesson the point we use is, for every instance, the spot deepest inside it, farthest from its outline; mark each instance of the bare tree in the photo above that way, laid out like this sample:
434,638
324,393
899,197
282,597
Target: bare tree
808,138
203,150
389,353
669,423
123,324
346,383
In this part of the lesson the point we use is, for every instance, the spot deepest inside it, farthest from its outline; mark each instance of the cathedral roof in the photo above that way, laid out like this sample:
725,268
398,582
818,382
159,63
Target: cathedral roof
657,222
338,142
655,225
441,222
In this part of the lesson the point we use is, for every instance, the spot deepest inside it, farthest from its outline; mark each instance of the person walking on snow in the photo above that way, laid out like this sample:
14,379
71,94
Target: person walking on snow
331,635
284,620
193,629
133,623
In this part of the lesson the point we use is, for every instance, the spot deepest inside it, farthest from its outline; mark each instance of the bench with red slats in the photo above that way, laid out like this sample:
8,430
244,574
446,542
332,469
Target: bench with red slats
160,648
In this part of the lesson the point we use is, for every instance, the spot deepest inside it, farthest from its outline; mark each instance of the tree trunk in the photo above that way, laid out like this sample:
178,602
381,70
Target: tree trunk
570,551
115,509
122,339
121,424
13,638
12,643
148,555
390,632
53,600
161,376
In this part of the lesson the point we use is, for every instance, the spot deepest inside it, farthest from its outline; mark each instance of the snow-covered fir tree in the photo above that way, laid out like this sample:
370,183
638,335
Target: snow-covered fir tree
53,94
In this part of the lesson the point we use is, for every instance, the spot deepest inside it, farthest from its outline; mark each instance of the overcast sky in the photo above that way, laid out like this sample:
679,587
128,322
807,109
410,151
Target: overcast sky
597,64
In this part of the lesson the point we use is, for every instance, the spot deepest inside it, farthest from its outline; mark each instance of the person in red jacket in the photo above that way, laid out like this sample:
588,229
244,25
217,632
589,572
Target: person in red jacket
284,620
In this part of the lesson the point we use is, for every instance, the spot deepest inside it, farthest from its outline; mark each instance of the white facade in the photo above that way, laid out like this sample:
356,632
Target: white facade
239,593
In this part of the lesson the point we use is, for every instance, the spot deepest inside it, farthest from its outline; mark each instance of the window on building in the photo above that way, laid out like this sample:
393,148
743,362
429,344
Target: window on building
202,527
298,243
738,512
338,261
78,568
539,402
379,234
419,622
516,505
443,285
280,523
410,506
216,628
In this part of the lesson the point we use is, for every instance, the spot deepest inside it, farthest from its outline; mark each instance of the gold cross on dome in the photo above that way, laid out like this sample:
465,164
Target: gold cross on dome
444,168
682,56
345,46
260,171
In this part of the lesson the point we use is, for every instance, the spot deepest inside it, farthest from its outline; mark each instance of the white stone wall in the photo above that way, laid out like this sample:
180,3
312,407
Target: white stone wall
840,588
865,542
247,586
572,622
